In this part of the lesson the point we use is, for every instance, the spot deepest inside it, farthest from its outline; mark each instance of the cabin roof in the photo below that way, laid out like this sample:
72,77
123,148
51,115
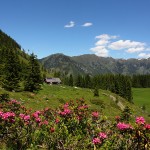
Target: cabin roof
53,80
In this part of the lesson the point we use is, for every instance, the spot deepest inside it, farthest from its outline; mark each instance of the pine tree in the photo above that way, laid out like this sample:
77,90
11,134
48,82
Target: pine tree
11,71
96,92
128,90
78,81
88,83
126,114
66,81
33,78
57,74
71,80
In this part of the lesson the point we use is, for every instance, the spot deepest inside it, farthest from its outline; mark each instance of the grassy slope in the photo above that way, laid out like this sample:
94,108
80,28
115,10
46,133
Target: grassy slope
53,96
141,96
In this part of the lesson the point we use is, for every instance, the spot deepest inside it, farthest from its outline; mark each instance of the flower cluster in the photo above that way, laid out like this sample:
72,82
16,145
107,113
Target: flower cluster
13,101
102,135
36,116
7,115
147,126
83,107
24,117
66,110
140,120
95,114
123,126
98,140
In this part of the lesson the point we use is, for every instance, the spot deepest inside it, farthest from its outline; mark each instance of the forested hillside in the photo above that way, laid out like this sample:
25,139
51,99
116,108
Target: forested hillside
7,42
17,67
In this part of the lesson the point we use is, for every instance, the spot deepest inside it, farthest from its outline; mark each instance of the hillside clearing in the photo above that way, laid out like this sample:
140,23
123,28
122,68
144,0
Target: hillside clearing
53,96
141,97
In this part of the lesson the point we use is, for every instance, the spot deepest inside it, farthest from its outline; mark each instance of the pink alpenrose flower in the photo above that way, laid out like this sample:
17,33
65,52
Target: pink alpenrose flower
96,141
140,120
102,135
147,126
95,114
123,126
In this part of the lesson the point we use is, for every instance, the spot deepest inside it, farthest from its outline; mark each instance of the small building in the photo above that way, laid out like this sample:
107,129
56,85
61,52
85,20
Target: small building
52,81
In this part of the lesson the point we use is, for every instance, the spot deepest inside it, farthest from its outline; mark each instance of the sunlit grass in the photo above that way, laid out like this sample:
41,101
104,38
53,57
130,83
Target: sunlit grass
54,95
141,97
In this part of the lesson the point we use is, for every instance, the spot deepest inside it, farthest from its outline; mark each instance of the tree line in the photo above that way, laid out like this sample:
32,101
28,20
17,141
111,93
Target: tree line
118,83
141,81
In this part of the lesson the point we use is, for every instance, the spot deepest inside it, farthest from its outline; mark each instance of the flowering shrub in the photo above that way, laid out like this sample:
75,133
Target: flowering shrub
123,126
96,141
140,120
71,126
102,135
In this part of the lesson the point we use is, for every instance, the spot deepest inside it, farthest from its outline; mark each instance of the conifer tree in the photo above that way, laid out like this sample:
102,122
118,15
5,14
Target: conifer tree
88,83
71,80
128,90
96,92
126,114
66,81
57,74
11,71
78,81
33,78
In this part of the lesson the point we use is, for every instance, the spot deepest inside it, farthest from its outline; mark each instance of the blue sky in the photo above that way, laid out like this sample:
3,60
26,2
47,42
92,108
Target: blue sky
108,28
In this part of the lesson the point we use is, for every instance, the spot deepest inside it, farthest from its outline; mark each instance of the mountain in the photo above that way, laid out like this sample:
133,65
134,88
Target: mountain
92,64
63,63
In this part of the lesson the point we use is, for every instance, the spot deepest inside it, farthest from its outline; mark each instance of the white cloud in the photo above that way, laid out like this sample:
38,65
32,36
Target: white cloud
101,42
124,44
100,51
87,24
70,25
135,49
144,55
104,39
106,43
106,36
101,45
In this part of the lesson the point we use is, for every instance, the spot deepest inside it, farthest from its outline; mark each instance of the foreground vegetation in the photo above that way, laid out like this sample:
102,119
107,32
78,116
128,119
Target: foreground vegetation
70,126
55,95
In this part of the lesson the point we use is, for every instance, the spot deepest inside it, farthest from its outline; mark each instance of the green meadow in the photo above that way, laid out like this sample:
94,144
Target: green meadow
141,97
55,95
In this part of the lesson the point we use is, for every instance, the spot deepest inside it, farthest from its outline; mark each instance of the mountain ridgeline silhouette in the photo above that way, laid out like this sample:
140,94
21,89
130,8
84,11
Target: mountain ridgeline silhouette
93,65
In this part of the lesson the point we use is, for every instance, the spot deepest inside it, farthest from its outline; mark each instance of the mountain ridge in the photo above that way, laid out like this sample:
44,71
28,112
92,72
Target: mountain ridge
93,65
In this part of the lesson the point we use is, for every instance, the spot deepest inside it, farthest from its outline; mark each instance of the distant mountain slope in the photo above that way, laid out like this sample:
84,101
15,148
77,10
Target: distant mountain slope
92,64
62,63
110,65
